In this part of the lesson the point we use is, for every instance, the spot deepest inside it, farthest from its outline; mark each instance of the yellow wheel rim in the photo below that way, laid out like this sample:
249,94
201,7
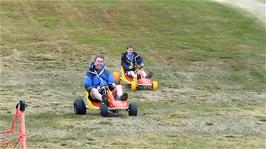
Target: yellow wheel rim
134,86
154,85
116,77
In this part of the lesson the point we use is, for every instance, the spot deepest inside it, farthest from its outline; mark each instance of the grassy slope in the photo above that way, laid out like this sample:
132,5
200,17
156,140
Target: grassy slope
209,60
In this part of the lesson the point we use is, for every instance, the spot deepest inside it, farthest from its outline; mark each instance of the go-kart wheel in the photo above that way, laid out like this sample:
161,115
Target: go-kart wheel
134,86
116,75
79,107
104,110
154,85
132,109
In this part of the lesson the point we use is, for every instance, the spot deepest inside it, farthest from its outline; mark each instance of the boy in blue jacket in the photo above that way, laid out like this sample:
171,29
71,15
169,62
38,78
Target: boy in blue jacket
129,60
96,76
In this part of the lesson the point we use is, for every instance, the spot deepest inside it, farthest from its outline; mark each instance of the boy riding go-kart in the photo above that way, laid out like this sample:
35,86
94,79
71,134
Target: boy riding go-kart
132,73
102,92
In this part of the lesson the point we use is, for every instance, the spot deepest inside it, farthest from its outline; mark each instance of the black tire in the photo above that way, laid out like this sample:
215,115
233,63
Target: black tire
79,107
104,110
132,109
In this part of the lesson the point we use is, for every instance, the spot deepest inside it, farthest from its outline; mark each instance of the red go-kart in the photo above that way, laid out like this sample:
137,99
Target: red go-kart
141,81
112,105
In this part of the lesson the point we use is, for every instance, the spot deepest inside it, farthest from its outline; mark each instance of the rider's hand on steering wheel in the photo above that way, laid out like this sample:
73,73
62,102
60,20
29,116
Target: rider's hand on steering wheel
113,85
98,88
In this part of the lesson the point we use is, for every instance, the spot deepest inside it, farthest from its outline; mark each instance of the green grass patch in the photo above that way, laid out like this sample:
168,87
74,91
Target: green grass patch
209,60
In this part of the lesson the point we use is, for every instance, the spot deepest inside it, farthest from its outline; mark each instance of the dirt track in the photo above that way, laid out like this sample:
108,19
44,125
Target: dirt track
255,7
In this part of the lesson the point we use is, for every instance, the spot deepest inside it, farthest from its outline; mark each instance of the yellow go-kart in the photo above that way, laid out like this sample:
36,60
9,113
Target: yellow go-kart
83,103
141,82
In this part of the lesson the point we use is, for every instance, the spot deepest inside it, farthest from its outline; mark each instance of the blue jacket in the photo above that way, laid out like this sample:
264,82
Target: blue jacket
125,61
94,79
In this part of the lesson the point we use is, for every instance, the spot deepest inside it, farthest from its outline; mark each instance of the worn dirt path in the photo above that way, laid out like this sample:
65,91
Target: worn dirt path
255,7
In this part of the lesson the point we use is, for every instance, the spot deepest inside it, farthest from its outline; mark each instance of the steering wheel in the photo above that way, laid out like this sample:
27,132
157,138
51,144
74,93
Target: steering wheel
104,88
138,66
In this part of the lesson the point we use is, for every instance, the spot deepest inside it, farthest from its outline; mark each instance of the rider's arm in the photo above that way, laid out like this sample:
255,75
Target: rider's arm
125,65
88,83
140,60
111,81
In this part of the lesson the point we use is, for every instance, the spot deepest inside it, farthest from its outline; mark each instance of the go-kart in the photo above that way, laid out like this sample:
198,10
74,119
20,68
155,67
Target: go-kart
112,105
141,81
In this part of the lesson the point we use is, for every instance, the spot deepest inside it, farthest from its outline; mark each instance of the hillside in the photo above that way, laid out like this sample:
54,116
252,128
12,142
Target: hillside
209,60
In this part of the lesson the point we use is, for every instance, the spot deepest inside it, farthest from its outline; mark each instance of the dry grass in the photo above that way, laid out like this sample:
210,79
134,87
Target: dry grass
209,60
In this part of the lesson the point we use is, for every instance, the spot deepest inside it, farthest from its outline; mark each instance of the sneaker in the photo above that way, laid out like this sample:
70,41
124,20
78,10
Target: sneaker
149,75
105,100
124,96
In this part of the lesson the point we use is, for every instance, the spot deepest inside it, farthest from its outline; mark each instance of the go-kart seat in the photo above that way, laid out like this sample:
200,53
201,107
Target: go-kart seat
124,76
